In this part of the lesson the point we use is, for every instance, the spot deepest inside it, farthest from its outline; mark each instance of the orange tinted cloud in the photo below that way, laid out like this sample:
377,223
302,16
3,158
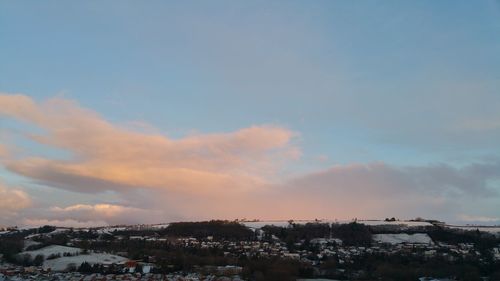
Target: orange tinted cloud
3,151
12,200
106,210
63,223
226,175
106,156
108,213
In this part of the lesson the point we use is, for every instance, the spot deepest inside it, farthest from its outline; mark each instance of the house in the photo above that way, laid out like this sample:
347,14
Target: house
147,267
130,266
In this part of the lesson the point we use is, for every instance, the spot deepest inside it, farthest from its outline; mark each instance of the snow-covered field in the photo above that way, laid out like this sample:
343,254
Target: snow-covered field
28,243
60,264
416,238
55,231
110,230
60,230
406,223
159,226
260,224
53,250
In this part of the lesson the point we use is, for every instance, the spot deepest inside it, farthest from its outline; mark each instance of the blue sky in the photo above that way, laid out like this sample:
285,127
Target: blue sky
405,83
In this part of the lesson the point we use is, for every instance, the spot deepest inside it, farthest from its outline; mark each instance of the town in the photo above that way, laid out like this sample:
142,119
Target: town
387,249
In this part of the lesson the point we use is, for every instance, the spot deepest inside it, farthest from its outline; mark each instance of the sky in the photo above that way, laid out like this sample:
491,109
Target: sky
115,112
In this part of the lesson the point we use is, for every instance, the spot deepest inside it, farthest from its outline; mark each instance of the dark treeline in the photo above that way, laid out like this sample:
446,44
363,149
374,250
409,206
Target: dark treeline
297,232
10,246
12,243
352,234
220,230
356,234
482,240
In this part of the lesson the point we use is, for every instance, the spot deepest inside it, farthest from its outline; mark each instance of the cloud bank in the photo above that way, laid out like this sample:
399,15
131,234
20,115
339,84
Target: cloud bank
156,178
377,190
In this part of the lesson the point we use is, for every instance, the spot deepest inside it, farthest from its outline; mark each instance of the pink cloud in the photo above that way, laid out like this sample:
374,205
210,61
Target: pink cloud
105,210
12,200
225,175
111,157
3,151
63,223
108,213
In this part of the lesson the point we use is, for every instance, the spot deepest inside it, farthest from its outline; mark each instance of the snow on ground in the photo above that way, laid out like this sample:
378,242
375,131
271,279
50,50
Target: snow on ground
490,229
406,223
60,264
108,229
53,250
416,238
59,230
32,236
103,231
55,231
260,224
28,243
159,226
